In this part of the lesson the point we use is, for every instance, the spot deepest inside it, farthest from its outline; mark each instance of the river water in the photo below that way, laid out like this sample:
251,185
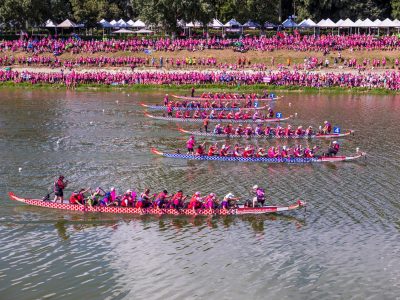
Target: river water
346,245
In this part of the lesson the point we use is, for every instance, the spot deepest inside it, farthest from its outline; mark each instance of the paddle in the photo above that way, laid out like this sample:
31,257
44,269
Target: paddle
47,197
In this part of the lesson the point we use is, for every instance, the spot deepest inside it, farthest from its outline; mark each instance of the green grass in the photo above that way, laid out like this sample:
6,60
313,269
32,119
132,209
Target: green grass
185,89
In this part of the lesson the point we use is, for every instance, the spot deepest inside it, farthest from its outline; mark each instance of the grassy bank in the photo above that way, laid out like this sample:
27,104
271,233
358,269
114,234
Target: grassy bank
185,89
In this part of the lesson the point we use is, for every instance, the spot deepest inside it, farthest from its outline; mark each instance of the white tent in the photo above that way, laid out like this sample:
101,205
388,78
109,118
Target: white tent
396,23
139,24
103,23
122,23
348,23
130,23
123,30
321,23
307,23
215,24
329,23
367,23
67,24
113,23
358,23
232,23
144,31
50,24
196,24
377,22
387,23
339,23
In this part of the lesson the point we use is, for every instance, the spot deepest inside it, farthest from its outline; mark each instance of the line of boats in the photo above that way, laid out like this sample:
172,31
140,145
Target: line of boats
218,102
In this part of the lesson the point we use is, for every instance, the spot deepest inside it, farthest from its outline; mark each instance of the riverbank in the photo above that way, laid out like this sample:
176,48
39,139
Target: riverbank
185,89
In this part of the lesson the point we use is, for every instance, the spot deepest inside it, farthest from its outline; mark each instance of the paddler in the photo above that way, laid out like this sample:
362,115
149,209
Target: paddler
259,196
224,150
236,151
299,131
200,150
195,201
205,124
327,128
218,129
333,148
259,131
78,197
59,186
309,131
239,130
161,199
213,150
248,151
229,201
178,199
261,152
270,113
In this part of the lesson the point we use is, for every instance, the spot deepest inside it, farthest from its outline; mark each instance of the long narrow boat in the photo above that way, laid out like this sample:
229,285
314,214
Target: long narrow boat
223,135
164,108
241,210
186,120
232,99
297,160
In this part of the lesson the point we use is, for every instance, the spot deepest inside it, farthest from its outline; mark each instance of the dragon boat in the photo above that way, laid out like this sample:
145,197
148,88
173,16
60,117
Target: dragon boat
164,108
240,210
227,99
291,160
304,136
188,120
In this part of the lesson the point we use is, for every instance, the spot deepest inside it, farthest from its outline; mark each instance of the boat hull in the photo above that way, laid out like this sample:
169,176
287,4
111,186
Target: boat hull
191,120
211,134
164,108
233,99
154,211
299,160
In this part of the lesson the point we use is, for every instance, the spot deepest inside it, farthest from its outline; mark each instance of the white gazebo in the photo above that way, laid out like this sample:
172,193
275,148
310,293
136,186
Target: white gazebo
139,24
216,24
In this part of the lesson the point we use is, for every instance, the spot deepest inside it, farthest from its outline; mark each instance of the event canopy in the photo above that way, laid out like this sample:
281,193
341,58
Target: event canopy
289,23
377,22
130,23
196,24
251,24
67,24
113,23
121,23
215,24
347,23
144,31
329,24
123,30
339,23
269,25
367,23
232,23
103,23
139,24
307,23
50,24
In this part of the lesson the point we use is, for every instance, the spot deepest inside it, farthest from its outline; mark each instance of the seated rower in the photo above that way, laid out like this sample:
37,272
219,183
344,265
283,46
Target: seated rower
309,131
248,131
196,114
212,115
218,129
161,199
213,150
270,113
178,200
128,199
310,153
195,201
333,149
258,131
178,114
94,198
224,150
248,151
228,129
273,152
210,201
259,196
230,115
285,152
78,197
246,116
288,130
236,151
238,115
261,152
221,115
200,150
229,201
239,130
268,131
299,131
145,199
187,114
327,128
256,115
297,151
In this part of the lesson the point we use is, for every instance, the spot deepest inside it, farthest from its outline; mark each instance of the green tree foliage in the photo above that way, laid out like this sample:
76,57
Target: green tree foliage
24,13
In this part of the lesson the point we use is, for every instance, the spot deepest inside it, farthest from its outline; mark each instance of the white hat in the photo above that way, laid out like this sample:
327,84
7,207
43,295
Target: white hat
112,188
230,195
129,191
334,142
255,187
197,193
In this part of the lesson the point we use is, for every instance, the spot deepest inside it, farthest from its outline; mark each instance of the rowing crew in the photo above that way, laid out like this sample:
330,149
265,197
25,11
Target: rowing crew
171,105
162,200
277,131
251,151
239,115
232,96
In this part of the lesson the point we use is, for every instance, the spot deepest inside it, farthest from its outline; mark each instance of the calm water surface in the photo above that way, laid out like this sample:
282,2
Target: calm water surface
345,246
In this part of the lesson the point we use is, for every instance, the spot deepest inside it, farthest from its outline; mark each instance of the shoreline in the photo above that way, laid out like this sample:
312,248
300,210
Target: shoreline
200,88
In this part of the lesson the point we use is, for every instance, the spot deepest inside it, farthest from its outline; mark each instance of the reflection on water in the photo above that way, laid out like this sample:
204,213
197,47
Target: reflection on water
346,243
